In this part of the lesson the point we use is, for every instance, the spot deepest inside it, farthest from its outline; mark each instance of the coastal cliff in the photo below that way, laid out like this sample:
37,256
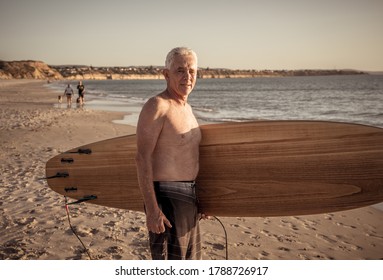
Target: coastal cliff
29,69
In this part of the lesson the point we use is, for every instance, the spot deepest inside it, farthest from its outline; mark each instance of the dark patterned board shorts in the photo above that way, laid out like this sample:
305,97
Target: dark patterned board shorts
178,202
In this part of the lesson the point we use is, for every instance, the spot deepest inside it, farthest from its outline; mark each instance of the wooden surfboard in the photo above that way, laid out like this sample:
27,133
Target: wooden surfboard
264,168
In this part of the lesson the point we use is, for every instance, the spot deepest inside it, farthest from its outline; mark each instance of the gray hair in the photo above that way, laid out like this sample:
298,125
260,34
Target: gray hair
178,51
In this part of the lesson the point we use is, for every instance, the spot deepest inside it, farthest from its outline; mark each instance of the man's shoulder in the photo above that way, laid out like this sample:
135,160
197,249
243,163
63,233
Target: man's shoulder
156,107
158,102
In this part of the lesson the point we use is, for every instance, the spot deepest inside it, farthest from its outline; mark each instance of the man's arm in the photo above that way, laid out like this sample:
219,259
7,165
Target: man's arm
149,128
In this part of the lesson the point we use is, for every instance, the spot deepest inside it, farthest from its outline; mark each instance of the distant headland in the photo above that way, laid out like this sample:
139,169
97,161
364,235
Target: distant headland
30,69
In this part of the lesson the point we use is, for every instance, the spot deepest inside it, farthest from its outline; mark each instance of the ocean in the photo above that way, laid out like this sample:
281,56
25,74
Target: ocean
355,98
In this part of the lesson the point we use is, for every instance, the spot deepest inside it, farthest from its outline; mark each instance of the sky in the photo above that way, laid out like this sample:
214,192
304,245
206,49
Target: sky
240,34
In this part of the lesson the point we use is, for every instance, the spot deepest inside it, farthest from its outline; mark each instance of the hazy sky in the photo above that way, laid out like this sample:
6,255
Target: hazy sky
237,34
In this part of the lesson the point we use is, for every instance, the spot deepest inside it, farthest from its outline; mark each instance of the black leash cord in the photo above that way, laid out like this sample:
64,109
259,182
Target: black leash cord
226,245
71,227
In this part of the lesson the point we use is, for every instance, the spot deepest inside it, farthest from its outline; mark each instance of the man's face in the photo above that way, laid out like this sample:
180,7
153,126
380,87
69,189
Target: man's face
181,76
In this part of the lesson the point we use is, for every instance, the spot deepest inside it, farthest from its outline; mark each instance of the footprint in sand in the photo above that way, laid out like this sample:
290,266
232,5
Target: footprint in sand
374,235
26,222
81,232
349,246
239,244
345,226
264,254
256,237
326,238
17,249
116,252
290,224
287,238
329,216
310,225
110,224
266,232
284,249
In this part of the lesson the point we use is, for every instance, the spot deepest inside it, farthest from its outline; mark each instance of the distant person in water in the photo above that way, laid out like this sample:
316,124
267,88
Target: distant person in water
68,93
81,92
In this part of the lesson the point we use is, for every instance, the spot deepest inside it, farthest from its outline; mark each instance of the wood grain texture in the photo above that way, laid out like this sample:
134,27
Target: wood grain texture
266,168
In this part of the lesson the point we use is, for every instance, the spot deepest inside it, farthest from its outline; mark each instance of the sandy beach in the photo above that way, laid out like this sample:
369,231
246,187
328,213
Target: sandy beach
34,225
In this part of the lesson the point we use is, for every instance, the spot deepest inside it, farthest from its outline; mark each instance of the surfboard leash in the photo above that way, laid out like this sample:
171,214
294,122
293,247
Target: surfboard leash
73,230
226,243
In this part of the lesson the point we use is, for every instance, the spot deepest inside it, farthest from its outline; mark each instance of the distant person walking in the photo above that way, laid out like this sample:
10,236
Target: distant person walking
81,91
68,93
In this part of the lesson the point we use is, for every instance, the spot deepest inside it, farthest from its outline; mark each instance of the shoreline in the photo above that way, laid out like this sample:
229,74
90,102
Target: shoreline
34,225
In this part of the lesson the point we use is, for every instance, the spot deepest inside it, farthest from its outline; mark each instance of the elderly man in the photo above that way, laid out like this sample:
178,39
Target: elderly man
168,138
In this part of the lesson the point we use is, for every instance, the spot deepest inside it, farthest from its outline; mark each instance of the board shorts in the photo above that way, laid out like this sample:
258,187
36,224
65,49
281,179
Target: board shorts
178,202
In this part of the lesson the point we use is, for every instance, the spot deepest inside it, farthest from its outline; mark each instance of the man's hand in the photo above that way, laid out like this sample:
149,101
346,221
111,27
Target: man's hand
156,222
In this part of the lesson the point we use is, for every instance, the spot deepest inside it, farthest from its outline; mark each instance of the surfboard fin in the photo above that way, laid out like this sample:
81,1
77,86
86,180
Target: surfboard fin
67,160
81,151
58,175
70,189
85,198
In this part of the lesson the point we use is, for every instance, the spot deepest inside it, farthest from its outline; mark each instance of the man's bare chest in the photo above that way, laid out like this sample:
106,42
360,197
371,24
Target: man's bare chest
181,128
